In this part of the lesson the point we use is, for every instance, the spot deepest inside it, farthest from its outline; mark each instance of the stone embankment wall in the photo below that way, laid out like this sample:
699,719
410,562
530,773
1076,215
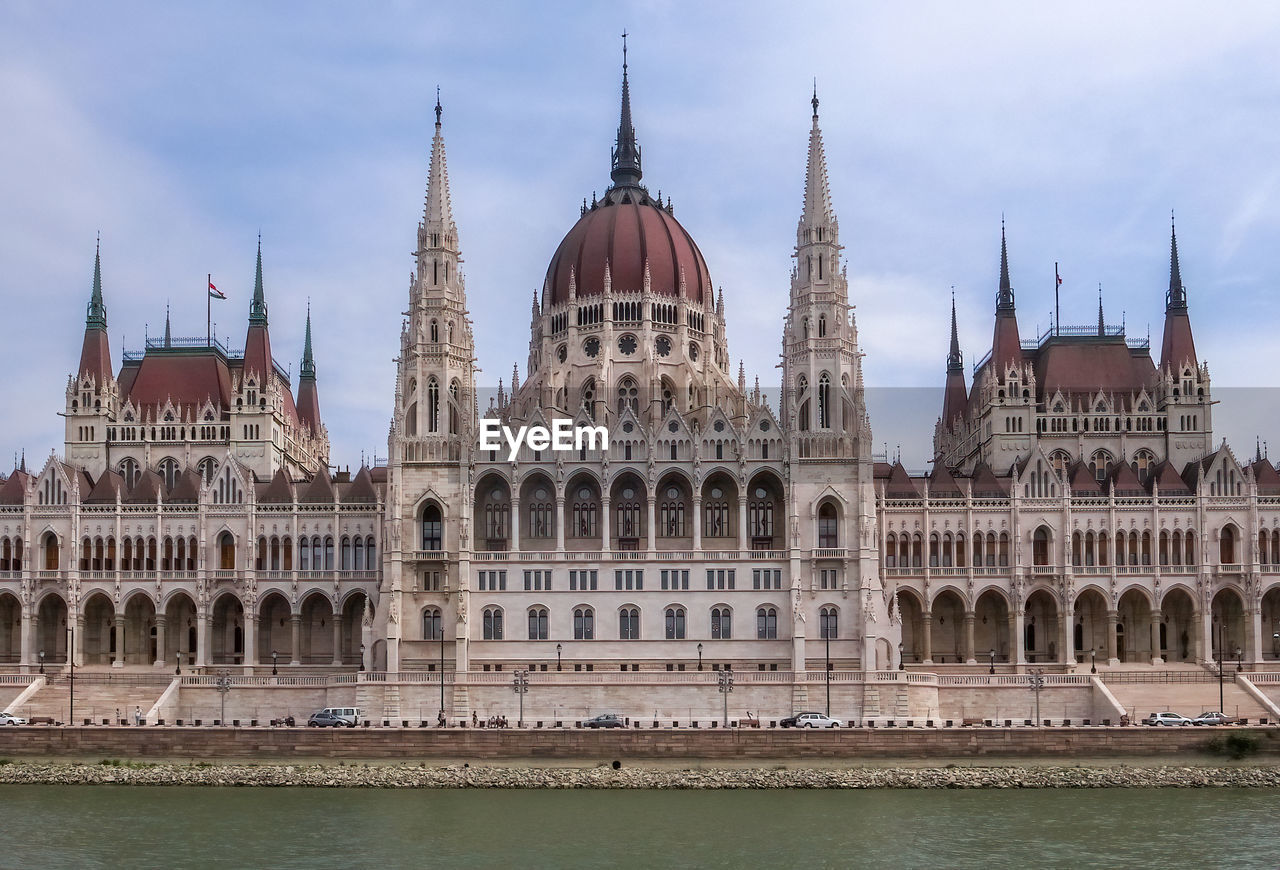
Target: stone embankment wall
701,744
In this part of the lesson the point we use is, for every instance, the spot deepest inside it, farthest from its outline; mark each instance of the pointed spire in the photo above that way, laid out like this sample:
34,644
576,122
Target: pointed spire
1004,300
168,333
308,369
817,194
955,360
626,153
437,214
258,307
1102,324
97,314
1177,296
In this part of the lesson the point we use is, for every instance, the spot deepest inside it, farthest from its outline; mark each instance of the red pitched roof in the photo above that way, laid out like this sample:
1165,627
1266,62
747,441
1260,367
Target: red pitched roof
186,487
1082,480
280,490
1125,480
361,488
1177,345
942,484
1267,477
147,489
95,355
1170,482
986,484
15,488
105,490
900,484
319,490
1088,365
188,378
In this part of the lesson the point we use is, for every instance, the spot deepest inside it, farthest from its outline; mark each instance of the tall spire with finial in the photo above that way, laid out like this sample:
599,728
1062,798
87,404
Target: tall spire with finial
1178,348
168,333
437,231
1177,296
1004,299
1102,324
95,353
258,307
817,193
308,397
955,360
625,158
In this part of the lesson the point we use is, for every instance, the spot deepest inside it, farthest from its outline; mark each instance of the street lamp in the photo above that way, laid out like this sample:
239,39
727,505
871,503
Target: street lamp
520,685
42,661
362,657
559,649
1239,660
826,637
1093,660
439,629
699,656
1037,683
993,662
725,686
1221,694
223,685
275,656
1275,644
902,662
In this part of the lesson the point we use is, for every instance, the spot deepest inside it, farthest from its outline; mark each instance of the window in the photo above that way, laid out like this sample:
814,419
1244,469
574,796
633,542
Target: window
721,623
130,471
628,579
432,528
1100,466
432,627
541,517
585,511
493,623
675,579
760,518
828,623
537,581
717,519
828,536
766,623
824,401
582,581
717,578
829,578
537,623
628,394
584,623
433,406
630,524
675,623
1040,546
766,578
493,581
628,623
671,521
430,581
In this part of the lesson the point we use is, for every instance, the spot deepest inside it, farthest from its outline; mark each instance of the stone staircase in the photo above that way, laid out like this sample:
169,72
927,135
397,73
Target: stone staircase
1188,694
95,698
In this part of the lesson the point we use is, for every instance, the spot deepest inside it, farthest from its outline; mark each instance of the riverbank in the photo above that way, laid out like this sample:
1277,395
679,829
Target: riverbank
605,776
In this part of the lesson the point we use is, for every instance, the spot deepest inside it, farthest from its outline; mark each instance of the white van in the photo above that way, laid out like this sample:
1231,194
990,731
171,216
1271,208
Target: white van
351,715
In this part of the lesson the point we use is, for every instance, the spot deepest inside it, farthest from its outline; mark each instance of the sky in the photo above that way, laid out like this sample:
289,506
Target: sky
181,131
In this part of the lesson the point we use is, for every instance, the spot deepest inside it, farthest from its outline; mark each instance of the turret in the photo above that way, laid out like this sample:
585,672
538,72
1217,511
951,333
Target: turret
95,353
955,398
1006,346
1177,347
308,397
257,342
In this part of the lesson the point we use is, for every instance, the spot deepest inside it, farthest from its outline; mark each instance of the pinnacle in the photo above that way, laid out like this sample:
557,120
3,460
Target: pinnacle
437,215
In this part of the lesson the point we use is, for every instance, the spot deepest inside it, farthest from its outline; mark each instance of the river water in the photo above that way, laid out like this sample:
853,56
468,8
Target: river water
144,827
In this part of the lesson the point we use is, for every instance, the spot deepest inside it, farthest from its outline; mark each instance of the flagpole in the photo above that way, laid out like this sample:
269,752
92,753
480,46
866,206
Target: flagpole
208,313
1057,309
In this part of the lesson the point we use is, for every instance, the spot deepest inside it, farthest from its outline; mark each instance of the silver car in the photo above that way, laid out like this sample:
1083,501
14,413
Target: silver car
1166,718
10,719
817,720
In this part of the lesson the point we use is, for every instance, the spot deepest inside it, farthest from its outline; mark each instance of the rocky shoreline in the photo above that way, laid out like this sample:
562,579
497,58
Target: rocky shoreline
111,772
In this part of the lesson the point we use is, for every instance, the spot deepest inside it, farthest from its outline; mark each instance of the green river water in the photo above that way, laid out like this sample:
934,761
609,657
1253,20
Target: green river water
144,827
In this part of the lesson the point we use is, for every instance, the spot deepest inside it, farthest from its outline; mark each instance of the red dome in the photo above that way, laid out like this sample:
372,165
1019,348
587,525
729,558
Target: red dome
626,233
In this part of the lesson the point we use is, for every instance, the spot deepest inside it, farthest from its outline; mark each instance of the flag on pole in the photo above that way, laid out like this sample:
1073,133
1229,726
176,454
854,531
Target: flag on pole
215,293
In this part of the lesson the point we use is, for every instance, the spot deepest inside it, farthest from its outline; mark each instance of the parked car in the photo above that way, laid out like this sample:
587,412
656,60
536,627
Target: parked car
1166,718
605,720
1214,718
811,720
10,719
349,715
326,719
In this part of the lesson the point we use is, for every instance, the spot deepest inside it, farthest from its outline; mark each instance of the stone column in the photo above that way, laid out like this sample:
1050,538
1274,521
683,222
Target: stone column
1113,654
295,644
1156,658
651,518
161,624
1017,638
337,638
1066,648
743,542
515,523
27,638
203,625
697,522
77,651
606,508
118,662
560,523
250,638
969,658
926,631
1253,640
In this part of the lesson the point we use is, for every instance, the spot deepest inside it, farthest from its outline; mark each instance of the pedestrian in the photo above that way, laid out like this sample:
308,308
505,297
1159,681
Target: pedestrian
137,715
475,720
440,720
118,719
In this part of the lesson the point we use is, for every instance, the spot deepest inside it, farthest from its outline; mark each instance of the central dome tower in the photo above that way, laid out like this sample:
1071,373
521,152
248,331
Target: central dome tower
627,237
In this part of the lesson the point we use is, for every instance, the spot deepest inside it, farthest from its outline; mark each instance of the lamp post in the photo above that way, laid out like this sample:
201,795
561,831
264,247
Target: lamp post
1221,695
71,660
520,685
826,638
439,629
362,657
993,662
223,685
42,661
902,662
699,656
1037,683
1275,644
559,649
1239,660
275,657
725,686
1093,660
